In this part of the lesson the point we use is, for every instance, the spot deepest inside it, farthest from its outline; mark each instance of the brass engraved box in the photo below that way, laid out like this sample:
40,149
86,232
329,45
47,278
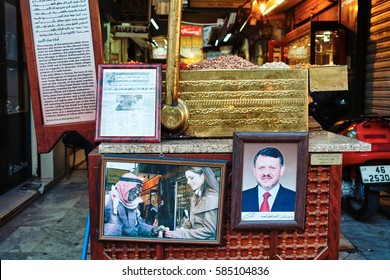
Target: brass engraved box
223,101
328,78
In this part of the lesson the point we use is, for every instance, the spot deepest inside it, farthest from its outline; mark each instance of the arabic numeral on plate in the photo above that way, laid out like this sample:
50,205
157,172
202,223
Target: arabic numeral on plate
380,169
373,178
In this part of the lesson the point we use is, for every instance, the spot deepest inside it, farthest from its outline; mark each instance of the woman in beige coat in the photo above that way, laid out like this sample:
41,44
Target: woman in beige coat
203,220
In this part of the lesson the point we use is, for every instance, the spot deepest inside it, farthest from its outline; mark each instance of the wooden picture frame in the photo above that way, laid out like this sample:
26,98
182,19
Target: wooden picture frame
167,203
129,103
288,213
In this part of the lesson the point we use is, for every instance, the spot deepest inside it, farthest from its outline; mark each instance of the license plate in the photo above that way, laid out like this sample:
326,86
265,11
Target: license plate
375,174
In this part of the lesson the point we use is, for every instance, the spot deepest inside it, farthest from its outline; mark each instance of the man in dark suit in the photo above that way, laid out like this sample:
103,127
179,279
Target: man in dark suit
268,195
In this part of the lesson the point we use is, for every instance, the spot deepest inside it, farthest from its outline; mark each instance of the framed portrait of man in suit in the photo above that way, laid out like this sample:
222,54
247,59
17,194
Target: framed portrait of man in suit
269,180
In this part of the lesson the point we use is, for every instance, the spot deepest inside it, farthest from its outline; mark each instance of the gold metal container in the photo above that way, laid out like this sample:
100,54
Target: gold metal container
328,78
221,102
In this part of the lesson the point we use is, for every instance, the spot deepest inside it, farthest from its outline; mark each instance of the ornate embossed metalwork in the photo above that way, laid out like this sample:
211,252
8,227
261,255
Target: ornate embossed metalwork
241,94
244,83
223,101
233,110
256,121
328,78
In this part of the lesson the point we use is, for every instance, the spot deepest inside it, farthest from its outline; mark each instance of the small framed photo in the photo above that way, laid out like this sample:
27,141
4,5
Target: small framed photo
161,199
129,103
269,180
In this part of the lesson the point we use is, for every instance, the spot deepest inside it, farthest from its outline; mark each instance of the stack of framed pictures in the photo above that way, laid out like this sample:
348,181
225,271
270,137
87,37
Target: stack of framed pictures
170,199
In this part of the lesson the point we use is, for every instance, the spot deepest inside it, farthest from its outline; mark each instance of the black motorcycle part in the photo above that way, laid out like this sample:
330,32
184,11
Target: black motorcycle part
364,206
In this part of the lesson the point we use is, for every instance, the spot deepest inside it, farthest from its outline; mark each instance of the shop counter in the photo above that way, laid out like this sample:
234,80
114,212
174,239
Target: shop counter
319,239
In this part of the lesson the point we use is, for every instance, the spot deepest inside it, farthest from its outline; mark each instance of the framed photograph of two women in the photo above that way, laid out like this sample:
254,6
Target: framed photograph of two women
161,199
269,180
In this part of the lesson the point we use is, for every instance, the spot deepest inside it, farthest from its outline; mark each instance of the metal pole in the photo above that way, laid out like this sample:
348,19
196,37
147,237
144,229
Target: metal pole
86,238
173,55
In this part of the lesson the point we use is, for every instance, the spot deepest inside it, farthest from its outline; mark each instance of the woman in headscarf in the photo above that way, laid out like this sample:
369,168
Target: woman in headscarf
121,215
203,219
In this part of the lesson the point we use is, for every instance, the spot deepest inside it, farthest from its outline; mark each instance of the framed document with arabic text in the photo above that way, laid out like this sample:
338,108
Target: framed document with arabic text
129,103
